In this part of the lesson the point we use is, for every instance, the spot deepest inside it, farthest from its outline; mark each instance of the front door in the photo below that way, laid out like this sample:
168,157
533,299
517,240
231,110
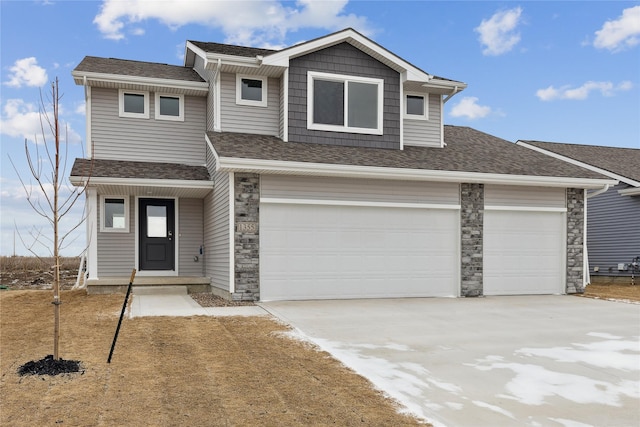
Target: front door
156,230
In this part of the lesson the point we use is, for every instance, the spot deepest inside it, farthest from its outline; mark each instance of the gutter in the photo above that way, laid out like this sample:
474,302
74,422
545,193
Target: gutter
598,192
233,164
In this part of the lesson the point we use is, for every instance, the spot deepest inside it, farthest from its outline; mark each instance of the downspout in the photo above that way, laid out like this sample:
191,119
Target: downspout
455,90
586,273
216,102
87,103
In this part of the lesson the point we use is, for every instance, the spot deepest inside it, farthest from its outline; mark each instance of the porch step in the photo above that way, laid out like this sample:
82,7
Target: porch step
118,285
159,290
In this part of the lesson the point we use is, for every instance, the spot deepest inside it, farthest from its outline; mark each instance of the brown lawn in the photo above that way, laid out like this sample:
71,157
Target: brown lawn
620,291
172,371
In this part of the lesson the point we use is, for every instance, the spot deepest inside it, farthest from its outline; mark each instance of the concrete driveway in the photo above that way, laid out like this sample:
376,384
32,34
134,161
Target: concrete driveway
495,361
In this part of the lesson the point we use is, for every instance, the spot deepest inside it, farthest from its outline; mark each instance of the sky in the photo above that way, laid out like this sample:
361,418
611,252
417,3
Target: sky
560,71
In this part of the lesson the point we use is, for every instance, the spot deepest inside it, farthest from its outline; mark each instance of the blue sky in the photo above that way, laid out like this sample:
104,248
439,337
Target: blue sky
565,71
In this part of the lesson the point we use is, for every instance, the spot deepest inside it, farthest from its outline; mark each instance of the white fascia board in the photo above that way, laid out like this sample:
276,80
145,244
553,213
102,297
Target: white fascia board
239,61
197,51
581,164
148,81
630,192
232,164
141,182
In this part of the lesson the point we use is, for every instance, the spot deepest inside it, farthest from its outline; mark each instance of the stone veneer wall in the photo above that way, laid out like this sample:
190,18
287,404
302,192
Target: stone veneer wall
471,247
575,240
247,237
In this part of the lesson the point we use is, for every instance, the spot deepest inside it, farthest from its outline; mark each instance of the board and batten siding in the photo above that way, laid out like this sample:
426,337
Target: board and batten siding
216,232
245,118
613,232
190,237
148,140
116,250
358,190
425,133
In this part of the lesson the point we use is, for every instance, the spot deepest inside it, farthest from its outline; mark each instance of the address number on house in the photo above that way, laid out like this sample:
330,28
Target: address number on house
247,227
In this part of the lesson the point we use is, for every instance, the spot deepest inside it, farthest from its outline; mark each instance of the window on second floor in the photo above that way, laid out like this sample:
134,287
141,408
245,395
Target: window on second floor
169,107
342,103
133,104
251,90
416,106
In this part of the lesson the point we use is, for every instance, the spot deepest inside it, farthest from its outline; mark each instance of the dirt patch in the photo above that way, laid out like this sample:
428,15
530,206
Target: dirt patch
207,299
194,371
613,291
19,272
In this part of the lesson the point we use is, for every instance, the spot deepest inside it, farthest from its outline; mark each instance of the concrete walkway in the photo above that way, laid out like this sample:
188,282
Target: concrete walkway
174,301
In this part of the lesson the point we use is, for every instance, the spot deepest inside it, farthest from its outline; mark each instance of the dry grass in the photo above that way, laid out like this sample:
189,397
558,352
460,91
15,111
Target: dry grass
620,291
173,371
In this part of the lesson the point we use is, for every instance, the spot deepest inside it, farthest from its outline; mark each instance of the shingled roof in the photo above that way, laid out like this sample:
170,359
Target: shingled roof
467,150
228,49
620,161
138,170
126,67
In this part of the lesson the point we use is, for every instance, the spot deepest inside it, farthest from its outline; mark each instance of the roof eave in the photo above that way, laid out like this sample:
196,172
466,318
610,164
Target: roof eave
86,77
234,164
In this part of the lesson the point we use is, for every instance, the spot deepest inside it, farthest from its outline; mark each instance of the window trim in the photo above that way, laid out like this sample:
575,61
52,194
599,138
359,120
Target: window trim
105,229
312,75
425,100
179,117
248,102
123,113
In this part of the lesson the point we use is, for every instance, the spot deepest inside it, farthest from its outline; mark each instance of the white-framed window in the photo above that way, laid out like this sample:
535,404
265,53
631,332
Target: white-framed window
169,107
114,214
251,90
341,103
416,106
134,103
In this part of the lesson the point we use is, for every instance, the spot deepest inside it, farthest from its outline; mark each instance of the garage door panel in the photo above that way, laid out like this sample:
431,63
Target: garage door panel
523,252
319,251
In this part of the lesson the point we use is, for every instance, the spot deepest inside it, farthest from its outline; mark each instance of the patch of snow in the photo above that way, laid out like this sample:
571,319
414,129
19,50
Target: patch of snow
570,423
392,346
604,335
454,405
532,384
493,408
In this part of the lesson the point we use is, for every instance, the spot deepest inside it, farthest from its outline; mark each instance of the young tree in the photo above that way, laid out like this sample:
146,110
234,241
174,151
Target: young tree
51,197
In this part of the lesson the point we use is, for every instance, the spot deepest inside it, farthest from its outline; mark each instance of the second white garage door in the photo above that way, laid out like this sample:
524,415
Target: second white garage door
314,251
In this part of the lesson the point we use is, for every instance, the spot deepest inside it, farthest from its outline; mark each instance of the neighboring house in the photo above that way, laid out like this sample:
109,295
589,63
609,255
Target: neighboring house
323,170
613,220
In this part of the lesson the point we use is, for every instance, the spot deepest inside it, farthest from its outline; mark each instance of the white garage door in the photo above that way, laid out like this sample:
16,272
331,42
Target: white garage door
523,252
323,252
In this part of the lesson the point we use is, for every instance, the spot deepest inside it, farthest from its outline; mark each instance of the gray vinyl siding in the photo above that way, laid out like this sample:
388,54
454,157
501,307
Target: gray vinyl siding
208,75
216,223
117,251
348,60
190,238
123,138
249,119
511,195
425,133
359,190
613,234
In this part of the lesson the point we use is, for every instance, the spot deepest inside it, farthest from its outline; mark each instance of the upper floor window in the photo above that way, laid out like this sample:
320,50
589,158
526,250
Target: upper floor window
251,90
134,104
113,214
169,107
416,106
342,103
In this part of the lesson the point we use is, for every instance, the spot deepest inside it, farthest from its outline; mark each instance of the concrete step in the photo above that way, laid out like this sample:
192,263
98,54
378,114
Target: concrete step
159,290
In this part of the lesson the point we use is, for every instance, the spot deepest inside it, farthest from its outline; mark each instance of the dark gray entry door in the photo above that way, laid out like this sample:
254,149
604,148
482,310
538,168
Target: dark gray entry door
156,230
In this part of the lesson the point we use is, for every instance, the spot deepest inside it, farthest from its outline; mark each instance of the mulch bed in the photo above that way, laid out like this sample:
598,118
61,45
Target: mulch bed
49,366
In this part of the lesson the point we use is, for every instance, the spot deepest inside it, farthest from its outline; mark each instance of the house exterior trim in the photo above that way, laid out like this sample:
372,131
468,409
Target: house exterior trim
324,169
194,88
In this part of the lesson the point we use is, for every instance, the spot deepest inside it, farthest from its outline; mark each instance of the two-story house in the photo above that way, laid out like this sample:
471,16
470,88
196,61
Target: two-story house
323,170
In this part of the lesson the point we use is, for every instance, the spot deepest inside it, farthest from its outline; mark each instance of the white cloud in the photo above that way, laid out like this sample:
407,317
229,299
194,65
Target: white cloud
27,72
498,33
256,23
22,119
620,34
579,93
468,107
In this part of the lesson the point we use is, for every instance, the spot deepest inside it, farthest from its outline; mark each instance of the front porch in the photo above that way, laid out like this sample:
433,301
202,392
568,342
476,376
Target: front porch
114,285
